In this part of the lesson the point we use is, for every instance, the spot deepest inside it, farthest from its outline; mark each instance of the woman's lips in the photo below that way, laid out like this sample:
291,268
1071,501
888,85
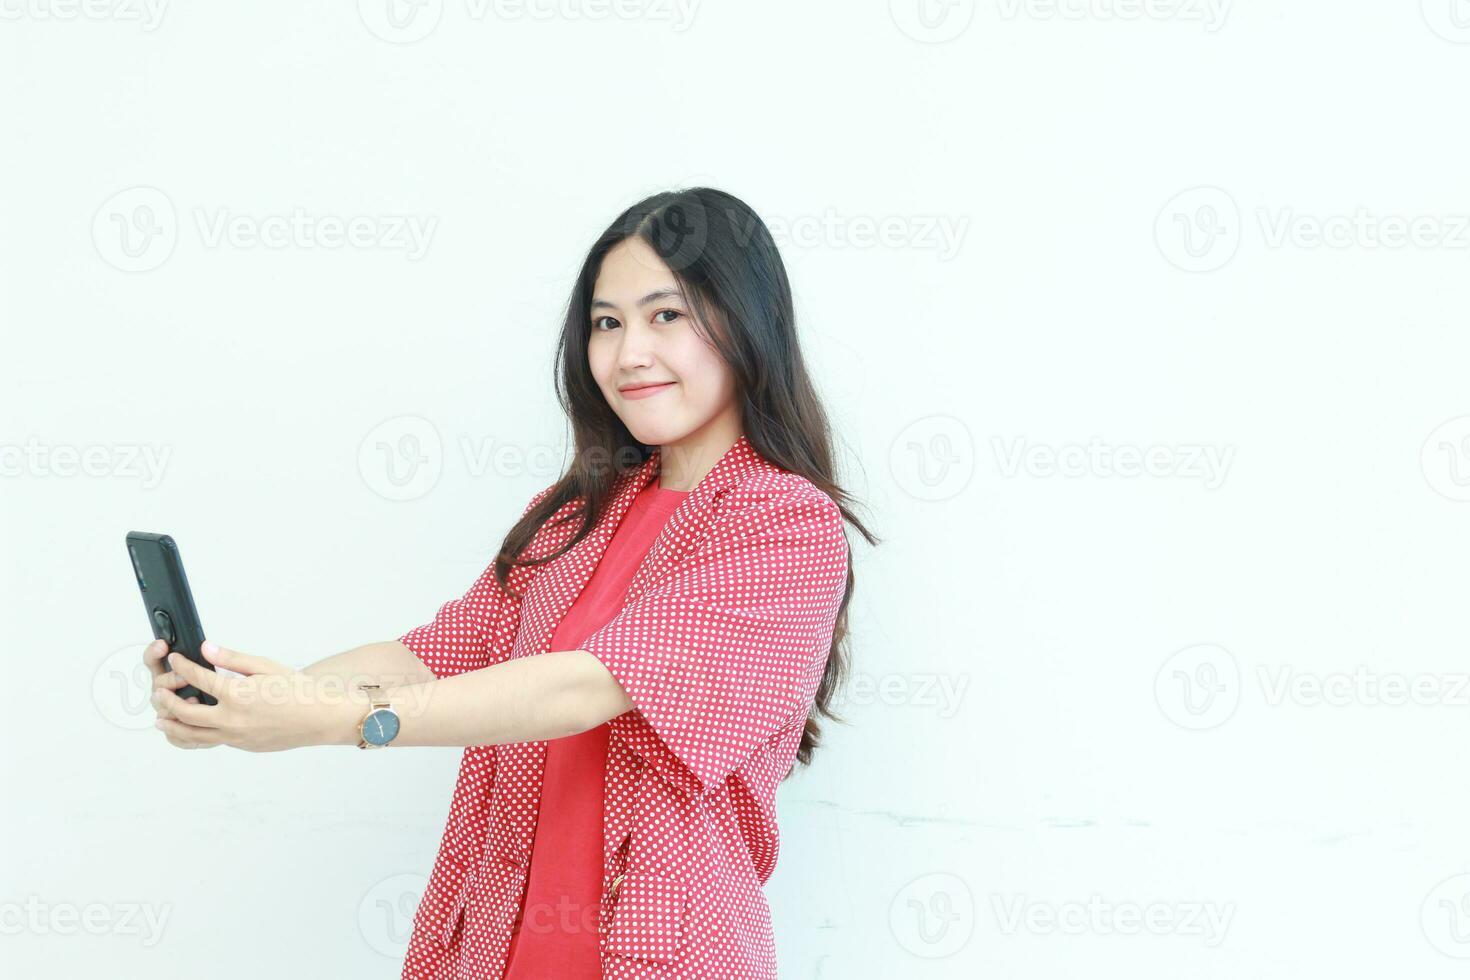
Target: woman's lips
648,392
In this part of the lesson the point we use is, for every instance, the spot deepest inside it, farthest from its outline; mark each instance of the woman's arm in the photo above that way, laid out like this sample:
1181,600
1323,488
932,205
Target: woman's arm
524,700
273,707
387,663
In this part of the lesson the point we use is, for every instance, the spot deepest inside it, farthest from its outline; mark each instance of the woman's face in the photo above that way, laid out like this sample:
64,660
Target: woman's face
643,332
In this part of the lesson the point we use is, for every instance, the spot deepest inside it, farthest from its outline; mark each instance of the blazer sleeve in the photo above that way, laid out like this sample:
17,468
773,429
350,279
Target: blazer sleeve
729,648
463,634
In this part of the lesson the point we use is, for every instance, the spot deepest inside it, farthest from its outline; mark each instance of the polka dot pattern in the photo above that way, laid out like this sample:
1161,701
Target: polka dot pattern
721,644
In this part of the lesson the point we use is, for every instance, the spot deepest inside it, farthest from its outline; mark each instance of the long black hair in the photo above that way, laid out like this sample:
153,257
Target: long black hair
725,262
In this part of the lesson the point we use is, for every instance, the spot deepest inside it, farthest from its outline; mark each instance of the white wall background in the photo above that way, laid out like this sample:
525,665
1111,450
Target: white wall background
1103,724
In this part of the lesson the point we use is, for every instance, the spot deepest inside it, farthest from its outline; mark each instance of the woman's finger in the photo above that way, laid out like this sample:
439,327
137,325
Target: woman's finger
169,681
194,715
153,655
241,663
202,678
185,736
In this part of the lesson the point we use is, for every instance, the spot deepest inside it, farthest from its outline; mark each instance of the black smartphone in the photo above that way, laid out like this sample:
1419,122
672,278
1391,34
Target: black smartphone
168,601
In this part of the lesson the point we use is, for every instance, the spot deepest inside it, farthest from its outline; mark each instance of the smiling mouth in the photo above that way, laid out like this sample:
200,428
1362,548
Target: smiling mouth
646,390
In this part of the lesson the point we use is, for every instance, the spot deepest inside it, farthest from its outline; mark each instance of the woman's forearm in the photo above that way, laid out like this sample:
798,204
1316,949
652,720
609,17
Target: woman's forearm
388,663
552,695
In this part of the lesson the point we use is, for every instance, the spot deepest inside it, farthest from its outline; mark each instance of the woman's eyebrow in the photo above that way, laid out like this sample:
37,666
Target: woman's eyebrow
652,297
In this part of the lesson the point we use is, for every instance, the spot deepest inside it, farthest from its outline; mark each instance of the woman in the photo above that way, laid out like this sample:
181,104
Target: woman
647,656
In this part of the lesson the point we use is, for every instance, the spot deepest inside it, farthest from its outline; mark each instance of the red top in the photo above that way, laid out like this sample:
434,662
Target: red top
555,934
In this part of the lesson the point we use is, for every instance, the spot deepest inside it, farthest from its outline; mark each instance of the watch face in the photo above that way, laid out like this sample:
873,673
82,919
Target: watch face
380,727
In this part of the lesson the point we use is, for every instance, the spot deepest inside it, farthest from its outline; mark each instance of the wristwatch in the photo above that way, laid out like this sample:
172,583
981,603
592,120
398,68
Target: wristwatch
380,726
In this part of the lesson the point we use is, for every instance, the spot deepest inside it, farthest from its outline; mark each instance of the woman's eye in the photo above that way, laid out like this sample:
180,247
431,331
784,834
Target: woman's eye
597,323
671,312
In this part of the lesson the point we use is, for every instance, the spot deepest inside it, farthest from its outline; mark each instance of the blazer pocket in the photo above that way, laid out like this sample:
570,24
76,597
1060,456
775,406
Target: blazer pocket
648,917
496,891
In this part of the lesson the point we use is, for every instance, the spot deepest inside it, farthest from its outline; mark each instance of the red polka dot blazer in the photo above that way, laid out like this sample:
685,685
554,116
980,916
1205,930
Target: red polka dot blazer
721,646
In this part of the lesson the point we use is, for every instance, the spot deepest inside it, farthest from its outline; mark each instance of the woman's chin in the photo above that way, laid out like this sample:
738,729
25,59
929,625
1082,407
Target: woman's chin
655,433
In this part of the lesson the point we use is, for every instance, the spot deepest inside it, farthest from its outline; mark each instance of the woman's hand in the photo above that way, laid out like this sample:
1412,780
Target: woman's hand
163,678
271,708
